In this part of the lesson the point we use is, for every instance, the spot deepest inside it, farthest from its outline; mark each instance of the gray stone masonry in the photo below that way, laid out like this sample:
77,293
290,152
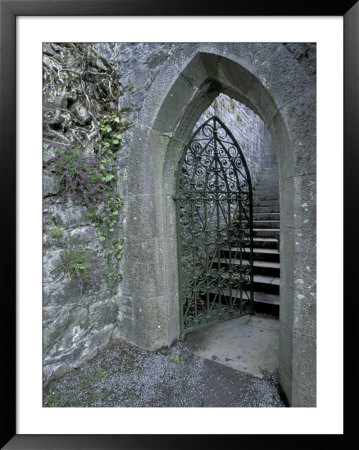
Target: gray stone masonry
163,89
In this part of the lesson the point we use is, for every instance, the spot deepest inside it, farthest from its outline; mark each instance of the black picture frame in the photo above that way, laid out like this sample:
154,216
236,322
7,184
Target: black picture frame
9,10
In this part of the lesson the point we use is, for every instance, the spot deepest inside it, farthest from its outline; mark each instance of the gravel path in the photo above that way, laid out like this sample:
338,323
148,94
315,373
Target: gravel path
122,375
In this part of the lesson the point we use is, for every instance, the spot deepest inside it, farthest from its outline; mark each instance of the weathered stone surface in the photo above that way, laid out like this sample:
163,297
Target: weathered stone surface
81,112
103,314
285,360
302,398
298,206
144,280
283,77
304,364
166,88
298,310
300,118
305,312
51,185
144,218
63,330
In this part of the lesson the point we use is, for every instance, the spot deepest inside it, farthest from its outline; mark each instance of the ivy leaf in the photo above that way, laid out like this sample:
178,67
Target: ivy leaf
115,141
115,213
101,238
108,177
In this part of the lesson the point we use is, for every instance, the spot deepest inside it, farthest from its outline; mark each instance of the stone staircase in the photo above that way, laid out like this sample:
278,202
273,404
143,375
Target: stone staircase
266,228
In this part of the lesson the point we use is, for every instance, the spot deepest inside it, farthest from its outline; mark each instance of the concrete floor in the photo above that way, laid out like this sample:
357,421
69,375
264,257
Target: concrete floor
248,343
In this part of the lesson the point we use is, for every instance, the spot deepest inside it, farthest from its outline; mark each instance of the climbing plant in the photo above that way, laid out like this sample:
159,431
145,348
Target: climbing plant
83,132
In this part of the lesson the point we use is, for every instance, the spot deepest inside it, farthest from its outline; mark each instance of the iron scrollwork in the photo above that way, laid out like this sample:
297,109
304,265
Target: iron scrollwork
215,228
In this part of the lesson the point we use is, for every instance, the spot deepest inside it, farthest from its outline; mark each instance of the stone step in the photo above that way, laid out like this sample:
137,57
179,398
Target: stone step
266,195
266,232
266,216
267,187
267,284
267,268
260,297
262,283
263,203
269,193
263,297
269,243
266,224
259,254
268,178
266,209
266,303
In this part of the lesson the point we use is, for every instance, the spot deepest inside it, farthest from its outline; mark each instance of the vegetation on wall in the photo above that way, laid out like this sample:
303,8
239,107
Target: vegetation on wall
82,137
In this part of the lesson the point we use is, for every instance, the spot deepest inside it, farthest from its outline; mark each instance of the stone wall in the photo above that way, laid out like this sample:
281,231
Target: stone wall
83,83
81,255
151,95
78,321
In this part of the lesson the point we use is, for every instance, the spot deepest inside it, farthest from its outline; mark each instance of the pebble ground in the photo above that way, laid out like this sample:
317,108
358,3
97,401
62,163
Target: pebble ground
123,375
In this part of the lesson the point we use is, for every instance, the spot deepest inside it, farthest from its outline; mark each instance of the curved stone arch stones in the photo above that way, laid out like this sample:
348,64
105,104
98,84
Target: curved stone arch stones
280,86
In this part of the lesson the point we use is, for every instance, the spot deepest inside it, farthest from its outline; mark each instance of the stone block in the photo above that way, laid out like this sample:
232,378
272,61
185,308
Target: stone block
285,358
163,86
50,263
281,144
103,314
50,185
196,67
145,216
143,334
125,306
287,258
171,216
142,251
98,339
304,364
177,99
251,55
145,161
284,77
144,280
298,201
153,311
305,312
63,330
173,329
302,398
300,119
286,306
298,257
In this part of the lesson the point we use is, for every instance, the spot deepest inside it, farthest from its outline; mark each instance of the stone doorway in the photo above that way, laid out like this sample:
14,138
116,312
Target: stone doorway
194,75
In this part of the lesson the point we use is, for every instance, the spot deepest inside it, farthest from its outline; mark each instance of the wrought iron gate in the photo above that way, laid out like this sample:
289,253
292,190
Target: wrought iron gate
215,229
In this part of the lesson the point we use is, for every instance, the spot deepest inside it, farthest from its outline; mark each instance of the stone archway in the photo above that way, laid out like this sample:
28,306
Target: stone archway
271,81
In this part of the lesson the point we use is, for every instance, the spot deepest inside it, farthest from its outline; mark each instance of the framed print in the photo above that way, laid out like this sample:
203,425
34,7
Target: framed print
176,189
